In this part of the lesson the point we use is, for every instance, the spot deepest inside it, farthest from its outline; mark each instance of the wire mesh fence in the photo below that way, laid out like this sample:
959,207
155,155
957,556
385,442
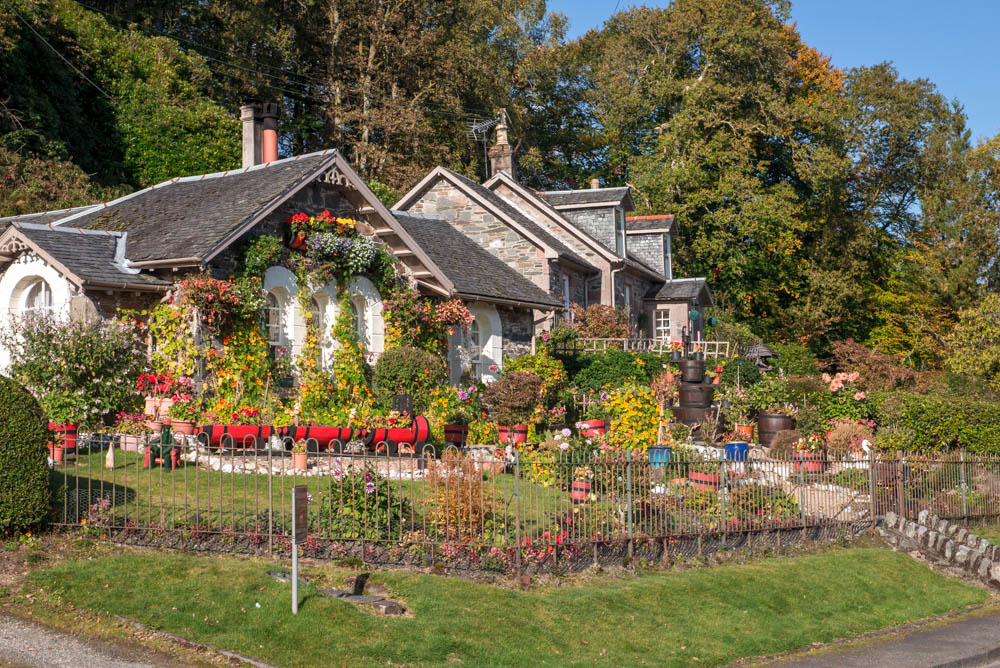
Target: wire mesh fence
483,508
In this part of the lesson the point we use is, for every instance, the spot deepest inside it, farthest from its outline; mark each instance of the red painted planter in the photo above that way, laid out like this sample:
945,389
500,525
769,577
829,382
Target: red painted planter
579,491
298,243
457,434
235,436
706,481
513,435
414,435
68,432
593,428
810,462
324,436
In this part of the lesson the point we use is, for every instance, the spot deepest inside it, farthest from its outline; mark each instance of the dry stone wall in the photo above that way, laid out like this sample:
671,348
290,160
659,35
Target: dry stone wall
948,545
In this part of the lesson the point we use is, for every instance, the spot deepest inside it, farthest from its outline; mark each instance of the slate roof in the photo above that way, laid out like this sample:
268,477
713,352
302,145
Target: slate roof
189,217
587,196
43,217
509,210
473,270
88,254
680,289
643,223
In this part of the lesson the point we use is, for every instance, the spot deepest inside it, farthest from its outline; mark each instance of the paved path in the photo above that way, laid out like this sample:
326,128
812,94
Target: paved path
25,643
967,641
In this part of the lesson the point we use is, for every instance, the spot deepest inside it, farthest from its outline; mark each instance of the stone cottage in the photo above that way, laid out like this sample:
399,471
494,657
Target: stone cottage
580,246
87,262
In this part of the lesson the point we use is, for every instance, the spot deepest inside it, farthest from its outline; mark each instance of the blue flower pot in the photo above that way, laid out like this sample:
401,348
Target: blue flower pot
737,452
659,455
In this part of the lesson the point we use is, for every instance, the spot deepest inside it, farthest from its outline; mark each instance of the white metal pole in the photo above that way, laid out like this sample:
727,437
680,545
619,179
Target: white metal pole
295,578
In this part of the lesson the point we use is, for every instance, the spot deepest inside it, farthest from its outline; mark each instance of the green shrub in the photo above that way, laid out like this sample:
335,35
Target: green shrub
513,397
743,369
550,369
938,422
410,371
613,369
24,477
795,358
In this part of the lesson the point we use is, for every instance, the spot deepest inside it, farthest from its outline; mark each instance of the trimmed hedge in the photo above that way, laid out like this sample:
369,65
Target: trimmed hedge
613,369
25,496
408,370
941,421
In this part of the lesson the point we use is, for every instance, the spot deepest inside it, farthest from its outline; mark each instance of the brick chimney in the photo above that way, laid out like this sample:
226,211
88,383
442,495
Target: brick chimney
260,132
502,154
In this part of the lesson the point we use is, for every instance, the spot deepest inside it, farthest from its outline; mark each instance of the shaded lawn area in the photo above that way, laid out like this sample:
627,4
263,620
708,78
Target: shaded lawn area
718,614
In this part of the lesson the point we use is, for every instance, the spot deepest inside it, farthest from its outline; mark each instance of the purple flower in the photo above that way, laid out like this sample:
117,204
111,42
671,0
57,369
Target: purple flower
338,474
309,497
604,396
369,487
463,395
566,432
368,476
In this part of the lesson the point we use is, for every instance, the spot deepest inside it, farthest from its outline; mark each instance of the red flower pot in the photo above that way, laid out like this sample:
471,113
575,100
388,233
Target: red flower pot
456,434
324,437
810,462
513,435
744,432
706,481
235,436
593,428
579,491
68,432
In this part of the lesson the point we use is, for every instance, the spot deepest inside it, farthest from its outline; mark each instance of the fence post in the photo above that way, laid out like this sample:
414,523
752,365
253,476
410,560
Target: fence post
871,488
517,507
270,502
723,493
962,485
900,487
628,458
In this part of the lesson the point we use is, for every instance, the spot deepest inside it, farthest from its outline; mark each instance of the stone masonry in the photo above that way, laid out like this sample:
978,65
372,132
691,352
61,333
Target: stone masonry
950,546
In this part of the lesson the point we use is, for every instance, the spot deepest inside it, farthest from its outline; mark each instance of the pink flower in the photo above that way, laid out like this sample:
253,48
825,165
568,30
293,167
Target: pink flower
494,368
826,378
858,396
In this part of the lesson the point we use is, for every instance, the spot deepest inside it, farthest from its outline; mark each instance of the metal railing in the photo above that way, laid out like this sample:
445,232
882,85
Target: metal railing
523,511
594,346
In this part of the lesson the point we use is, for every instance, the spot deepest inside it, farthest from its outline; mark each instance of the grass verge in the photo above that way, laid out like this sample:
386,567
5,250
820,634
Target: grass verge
717,615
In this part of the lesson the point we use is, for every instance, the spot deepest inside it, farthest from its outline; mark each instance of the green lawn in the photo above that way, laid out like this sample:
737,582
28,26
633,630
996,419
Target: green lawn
990,532
717,615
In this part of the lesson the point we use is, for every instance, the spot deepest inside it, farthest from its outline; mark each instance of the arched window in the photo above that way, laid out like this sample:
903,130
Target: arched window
359,317
275,320
317,311
38,298
476,351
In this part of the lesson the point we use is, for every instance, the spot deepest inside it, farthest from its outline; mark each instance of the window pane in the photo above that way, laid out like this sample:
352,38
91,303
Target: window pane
475,351
38,298
273,319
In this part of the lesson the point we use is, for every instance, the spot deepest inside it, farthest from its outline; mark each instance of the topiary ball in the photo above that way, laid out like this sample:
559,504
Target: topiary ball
25,497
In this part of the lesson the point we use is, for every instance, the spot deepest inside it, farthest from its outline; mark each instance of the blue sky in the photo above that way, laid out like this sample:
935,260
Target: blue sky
954,44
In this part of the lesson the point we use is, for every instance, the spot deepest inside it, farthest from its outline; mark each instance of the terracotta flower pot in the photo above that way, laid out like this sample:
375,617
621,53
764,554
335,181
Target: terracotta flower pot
717,380
590,428
183,427
152,404
57,452
513,435
810,462
579,491
155,426
129,443
670,376
299,461
744,432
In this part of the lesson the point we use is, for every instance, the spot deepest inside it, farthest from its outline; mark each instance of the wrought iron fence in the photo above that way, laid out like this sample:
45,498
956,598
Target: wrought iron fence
593,346
483,508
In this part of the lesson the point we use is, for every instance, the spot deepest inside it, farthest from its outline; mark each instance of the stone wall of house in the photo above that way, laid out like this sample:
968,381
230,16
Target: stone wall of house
312,199
947,545
577,283
641,286
547,224
598,222
106,303
449,203
518,328
648,248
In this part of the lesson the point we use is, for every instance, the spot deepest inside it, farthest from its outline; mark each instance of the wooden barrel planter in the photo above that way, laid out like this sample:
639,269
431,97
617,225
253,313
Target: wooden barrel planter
456,434
513,435
810,462
692,371
768,425
708,482
688,415
591,428
235,436
691,395
317,439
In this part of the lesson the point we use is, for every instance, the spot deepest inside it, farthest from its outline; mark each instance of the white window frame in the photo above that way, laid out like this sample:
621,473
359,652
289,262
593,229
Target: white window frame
475,348
38,288
275,318
628,299
620,232
668,268
661,324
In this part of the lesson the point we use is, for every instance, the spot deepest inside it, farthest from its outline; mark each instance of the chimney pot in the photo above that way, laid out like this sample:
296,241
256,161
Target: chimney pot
250,117
595,184
269,131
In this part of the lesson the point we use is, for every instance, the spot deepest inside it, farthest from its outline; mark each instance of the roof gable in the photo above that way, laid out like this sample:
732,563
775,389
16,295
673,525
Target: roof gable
499,207
571,199
682,289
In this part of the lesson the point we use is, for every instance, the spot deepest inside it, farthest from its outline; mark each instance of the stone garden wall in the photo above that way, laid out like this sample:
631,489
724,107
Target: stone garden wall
947,545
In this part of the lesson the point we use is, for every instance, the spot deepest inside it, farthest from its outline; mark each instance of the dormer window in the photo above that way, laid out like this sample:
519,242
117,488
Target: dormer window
620,232
668,269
